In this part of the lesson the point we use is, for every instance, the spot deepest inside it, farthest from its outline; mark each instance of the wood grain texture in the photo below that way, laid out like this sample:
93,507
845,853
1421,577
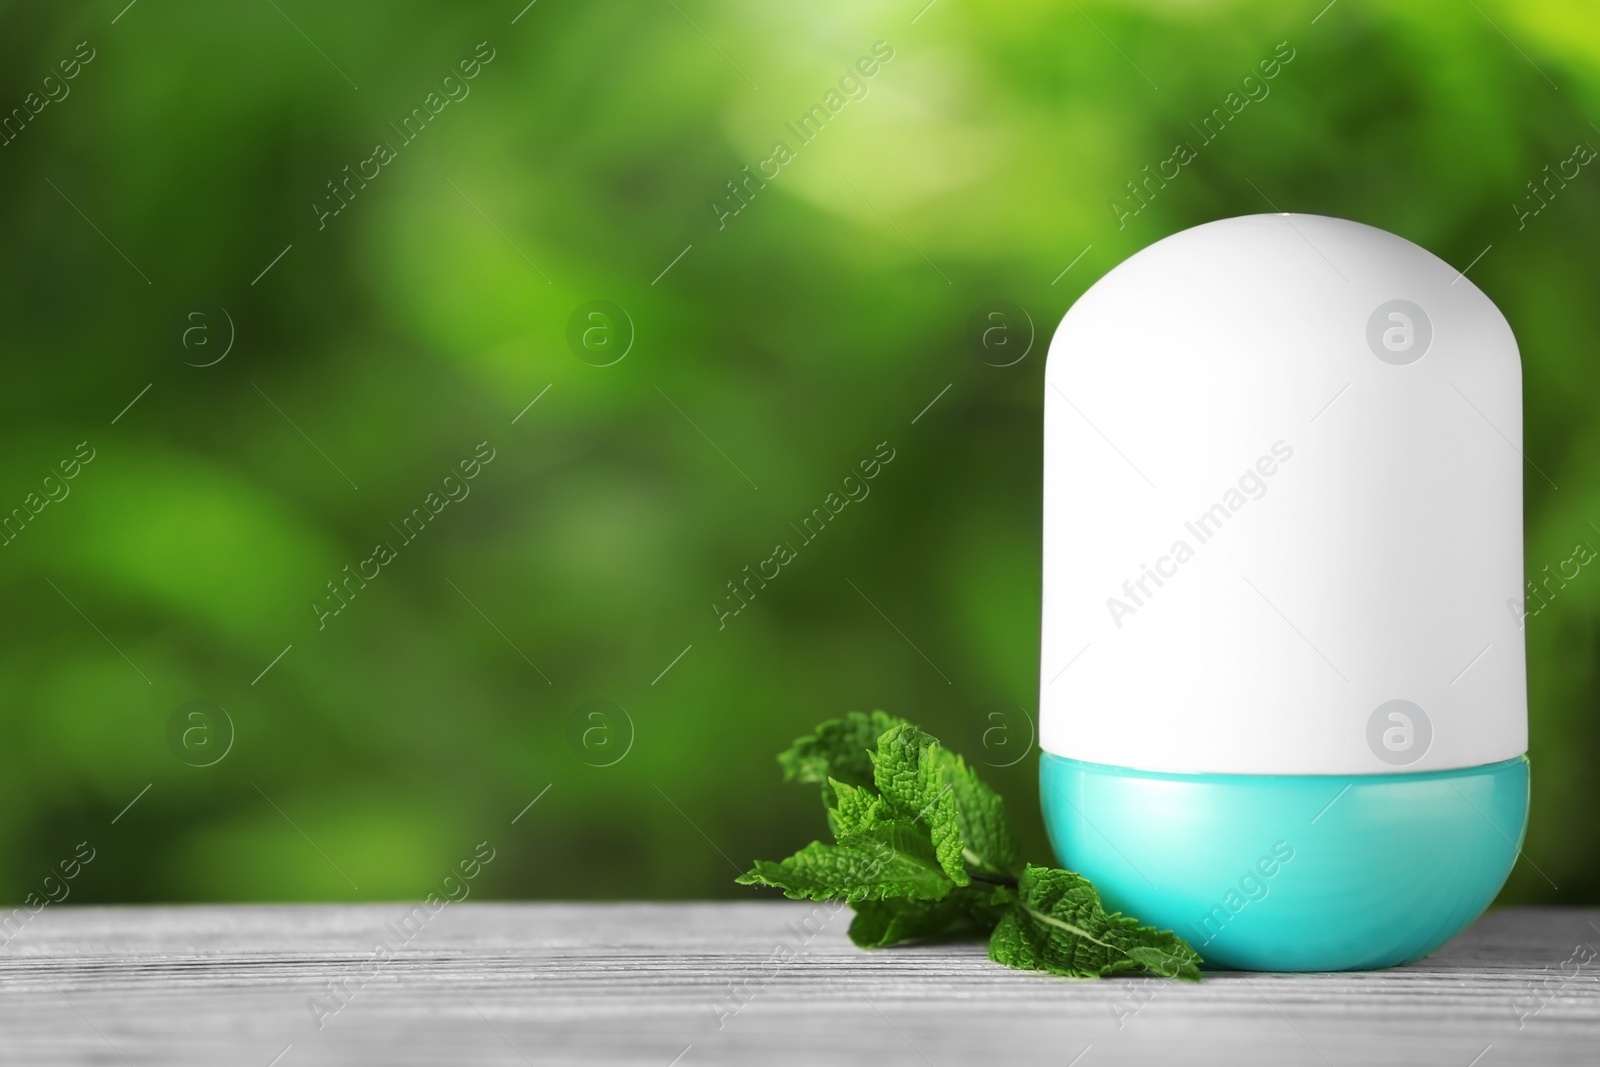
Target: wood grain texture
743,983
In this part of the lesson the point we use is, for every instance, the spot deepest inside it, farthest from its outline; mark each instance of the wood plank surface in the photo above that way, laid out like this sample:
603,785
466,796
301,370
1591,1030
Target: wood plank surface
735,983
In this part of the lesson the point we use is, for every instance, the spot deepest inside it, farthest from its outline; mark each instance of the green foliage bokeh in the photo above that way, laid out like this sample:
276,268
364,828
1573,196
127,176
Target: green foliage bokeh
783,345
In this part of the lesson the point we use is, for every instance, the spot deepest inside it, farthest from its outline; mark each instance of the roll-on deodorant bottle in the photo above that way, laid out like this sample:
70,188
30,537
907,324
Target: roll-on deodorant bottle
1282,700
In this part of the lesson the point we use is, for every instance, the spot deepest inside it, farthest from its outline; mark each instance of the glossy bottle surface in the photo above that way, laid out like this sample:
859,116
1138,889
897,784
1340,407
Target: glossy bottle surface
1292,872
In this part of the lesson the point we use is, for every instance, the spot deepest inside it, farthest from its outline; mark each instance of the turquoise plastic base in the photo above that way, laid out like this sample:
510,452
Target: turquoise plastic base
1292,873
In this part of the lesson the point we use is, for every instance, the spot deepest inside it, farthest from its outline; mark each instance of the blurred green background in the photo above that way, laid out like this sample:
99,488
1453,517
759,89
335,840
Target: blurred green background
768,351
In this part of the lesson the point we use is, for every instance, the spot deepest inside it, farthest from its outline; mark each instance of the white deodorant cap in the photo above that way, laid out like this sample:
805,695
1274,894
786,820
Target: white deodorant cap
1283,510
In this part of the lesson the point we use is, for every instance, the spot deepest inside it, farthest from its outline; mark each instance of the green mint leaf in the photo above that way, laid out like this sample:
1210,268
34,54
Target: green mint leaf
924,850
908,779
967,820
1059,925
989,844
967,910
856,809
892,859
837,750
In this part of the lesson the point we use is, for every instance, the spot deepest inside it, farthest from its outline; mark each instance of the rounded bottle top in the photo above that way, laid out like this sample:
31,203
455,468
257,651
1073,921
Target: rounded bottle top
1283,509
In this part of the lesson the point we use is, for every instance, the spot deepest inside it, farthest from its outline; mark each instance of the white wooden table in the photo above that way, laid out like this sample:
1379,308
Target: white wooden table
660,984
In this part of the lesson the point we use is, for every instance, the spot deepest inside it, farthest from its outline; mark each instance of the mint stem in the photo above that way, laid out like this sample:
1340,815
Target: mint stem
1005,879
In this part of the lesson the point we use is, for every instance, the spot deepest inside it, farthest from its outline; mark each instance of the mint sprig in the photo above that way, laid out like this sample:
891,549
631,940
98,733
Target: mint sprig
966,911
1058,925
923,850
840,749
887,861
